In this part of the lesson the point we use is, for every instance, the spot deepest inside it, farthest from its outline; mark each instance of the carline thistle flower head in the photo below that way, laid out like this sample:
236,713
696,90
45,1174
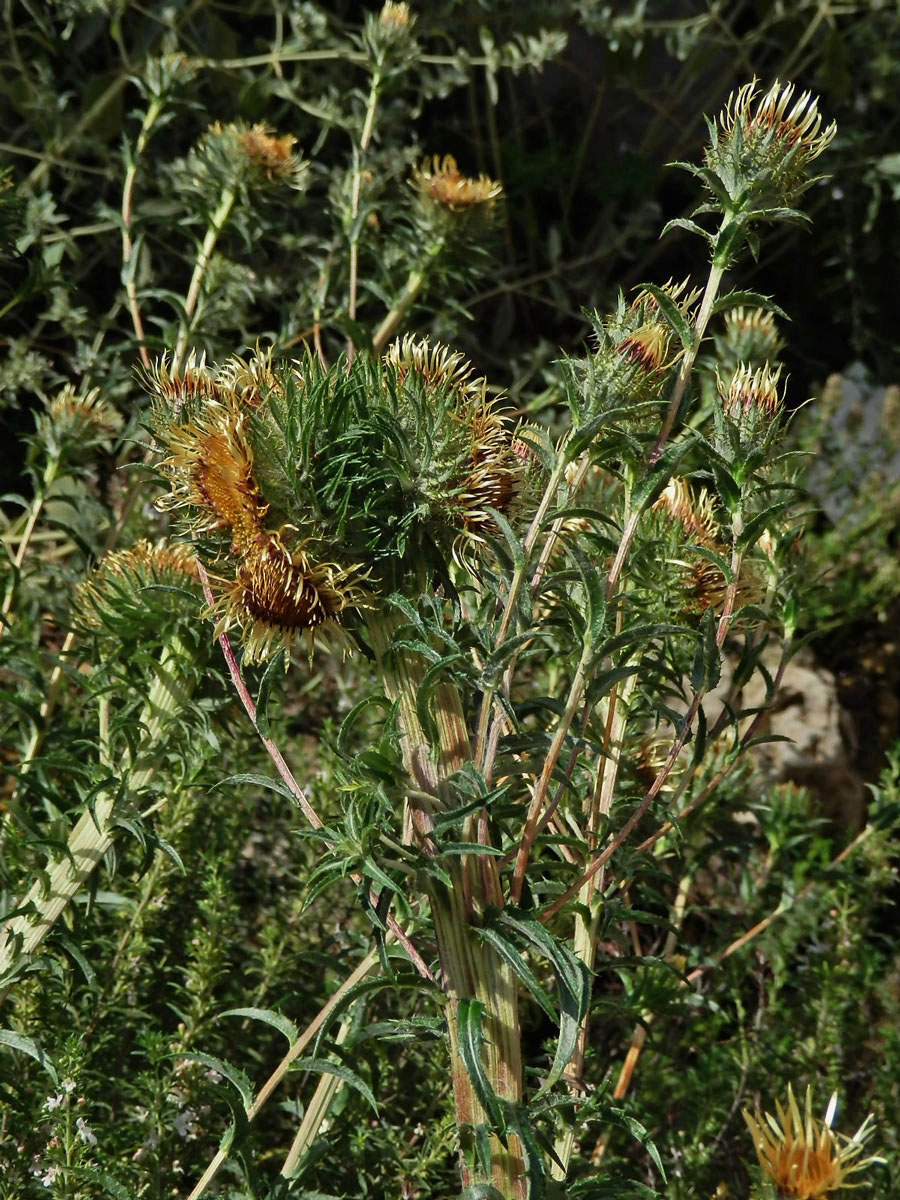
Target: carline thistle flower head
806,1160
278,594
486,463
751,394
750,336
440,182
765,143
267,580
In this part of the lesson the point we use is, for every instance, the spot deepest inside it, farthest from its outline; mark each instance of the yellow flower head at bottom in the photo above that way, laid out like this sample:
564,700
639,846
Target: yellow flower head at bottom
804,1159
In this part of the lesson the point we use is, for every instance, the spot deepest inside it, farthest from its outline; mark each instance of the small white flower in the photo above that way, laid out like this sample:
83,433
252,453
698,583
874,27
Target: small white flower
50,1176
213,1076
85,1132
53,1102
68,1085
184,1122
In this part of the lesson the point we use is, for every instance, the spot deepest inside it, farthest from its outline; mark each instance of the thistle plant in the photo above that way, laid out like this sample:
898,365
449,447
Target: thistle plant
493,850
389,502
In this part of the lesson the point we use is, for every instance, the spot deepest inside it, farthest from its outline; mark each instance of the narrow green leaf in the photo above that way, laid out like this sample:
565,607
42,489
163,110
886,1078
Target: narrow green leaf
431,681
762,521
534,1166
75,953
594,585
353,715
268,1017
639,1133
516,549
343,1073
682,327
728,488
718,561
745,299
690,226
649,488
573,984
707,666
511,956
18,1041
263,781
637,635
468,1026
273,671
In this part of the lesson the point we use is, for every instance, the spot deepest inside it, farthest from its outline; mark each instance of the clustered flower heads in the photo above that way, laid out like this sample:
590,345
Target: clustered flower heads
273,588
304,488
763,144
806,1160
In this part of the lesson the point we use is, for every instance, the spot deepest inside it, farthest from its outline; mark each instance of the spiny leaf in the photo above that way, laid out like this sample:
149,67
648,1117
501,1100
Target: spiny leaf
273,671
673,314
268,1017
572,979
468,1025
324,1067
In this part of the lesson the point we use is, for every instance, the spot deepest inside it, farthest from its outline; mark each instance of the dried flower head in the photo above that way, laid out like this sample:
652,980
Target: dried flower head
210,469
240,154
751,393
805,1159
494,476
272,157
278,594
694,515
440,181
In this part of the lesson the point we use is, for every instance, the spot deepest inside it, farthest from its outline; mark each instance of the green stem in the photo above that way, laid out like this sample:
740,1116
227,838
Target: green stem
539,795
316,1111
214,229
130,253
365,139
711,291
37,507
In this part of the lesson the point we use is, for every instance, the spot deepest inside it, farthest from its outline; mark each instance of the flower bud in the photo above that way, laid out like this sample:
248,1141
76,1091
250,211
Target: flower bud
763,145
